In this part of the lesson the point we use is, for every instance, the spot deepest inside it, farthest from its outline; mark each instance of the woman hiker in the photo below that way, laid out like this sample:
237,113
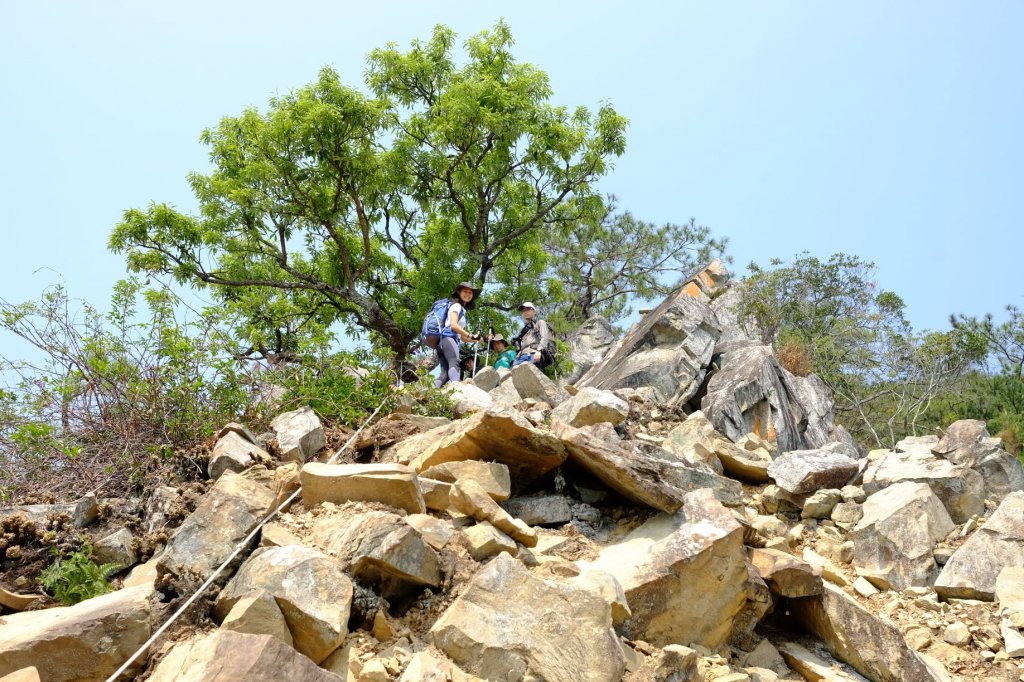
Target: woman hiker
505,356
463,299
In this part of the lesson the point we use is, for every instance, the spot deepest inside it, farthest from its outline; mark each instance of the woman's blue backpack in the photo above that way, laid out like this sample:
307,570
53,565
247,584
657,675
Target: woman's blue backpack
434,322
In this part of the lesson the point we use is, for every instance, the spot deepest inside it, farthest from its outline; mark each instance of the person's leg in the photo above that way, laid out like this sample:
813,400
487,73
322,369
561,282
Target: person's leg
449,360
442,362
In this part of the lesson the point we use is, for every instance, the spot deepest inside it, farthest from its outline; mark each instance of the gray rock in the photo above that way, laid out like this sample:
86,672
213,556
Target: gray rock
158,507
893,543
960,434
508,624
592,406
972,571
530,382
506,394
960,488
486,379
818,408
468,398
588,345
540,510
116,548
669,350
695,441
728,309
820,504
299,434
847,514
310,588
86,510
806,471
226,515
234,452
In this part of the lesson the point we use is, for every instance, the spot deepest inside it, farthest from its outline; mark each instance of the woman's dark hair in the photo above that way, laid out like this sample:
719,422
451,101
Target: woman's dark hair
466,306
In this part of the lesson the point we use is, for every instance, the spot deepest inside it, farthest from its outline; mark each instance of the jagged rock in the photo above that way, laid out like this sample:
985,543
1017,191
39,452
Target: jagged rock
435,493
493,435
471,499
396,427
873,646
226,655
775,500
240,429
224,517
815,401
391,484
86,510
674,663
967,442
310,588
540,510
669,350
486,379
590,342
492,476
743,465
30,674
684,575
428,666
847,514
765,655
961,434
508,624
116,548
258,614
694,441
806,471
785,574
506,395
606,586
435,532
810,666
485,541
380,548
87,641
467,398
728,305
592,406
894,541
530,382
158,507
299,434
972,571
642,472
960,488
1009,590
820,504
234,453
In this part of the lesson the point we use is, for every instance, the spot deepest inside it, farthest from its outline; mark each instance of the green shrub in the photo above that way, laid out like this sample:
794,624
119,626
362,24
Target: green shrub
75,577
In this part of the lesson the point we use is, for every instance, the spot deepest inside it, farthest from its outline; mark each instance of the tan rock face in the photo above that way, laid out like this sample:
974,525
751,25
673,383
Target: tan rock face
649,476
495,436
300,435
694,441
87,641
225,655
972,571
380,548
471,499
309,587
396,427
485,541
224,517
507,624
785,574
391,484
684,576
592,406
873,646
258,614
492,476
894,541
467,397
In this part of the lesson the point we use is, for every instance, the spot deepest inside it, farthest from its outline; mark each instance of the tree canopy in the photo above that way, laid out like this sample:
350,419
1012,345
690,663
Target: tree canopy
362,206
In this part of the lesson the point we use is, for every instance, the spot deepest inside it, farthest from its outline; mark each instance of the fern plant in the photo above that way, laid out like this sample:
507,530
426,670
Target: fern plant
75,577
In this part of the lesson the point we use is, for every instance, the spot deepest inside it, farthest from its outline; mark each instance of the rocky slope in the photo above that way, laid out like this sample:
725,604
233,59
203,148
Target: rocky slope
685,510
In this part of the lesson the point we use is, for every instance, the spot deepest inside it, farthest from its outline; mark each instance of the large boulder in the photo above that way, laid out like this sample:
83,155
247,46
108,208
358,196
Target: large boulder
855,635
592,406
967,443
960,488
530,382
493,435
467,397
87,641
728,308
972,571
225,516
894,541
492,476
590,342
641,471
697,441
785,574
226,655
806,471
380,548
234,452
310,588
684,575
391,484
819,418
668,349
300,435
508,624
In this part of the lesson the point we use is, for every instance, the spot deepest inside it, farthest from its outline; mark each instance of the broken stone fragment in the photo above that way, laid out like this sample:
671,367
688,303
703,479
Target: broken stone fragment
467,398
392,484
471,499
258,614
805,471
530,382
540,510
300,435
592,406
234,452
485,541
116,548
492,476
785,574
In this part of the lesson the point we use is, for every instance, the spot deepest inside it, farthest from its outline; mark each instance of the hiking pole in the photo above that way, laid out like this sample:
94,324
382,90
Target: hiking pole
490,333
476,349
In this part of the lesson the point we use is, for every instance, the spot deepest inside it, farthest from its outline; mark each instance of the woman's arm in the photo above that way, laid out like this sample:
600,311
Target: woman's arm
453,322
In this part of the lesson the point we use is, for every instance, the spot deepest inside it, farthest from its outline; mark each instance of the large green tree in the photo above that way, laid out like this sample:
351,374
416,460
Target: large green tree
361,206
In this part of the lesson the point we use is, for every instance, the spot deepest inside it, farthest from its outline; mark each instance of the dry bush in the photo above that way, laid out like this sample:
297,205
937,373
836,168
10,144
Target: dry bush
795,357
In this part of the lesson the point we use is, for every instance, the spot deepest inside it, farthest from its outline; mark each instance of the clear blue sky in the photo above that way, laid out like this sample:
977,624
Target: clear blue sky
888,130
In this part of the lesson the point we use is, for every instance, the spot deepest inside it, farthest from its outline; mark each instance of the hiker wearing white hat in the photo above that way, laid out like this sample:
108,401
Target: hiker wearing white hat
536,340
